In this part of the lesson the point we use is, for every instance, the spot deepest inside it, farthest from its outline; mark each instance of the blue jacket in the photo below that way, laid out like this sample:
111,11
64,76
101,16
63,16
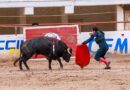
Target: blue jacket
99,38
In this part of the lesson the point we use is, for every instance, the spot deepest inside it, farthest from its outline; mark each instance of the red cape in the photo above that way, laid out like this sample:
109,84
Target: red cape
82,55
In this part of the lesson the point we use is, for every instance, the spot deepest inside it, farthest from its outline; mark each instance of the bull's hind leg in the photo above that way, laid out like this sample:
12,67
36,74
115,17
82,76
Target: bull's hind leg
26,65
50,60
20,65
26,59
61,65
20,62
23,60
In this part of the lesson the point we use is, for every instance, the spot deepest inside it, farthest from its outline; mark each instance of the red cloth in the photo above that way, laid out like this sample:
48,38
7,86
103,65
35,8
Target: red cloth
82,55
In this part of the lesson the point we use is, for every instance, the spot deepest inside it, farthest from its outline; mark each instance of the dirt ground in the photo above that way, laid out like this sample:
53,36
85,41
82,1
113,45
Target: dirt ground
92,77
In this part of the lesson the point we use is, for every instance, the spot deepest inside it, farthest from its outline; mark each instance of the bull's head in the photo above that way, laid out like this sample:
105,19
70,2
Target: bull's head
67,54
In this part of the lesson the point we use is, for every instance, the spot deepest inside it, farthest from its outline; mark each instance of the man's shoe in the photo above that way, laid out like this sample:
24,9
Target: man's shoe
108,65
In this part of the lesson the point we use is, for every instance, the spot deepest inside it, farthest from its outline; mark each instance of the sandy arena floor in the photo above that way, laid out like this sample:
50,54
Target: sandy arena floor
92,77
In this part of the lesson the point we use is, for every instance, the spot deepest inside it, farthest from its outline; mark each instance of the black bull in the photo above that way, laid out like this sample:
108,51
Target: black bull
52,48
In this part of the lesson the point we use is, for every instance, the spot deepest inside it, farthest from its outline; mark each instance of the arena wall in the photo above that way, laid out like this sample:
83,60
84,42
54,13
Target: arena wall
9,46
118,42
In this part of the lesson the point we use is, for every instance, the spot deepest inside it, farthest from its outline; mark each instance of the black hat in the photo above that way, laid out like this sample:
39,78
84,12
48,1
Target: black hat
95,29
35,24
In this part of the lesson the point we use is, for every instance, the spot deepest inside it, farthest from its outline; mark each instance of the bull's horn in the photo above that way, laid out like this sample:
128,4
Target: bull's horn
68,50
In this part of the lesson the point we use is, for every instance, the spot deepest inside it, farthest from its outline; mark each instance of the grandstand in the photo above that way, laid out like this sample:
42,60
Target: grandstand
115,13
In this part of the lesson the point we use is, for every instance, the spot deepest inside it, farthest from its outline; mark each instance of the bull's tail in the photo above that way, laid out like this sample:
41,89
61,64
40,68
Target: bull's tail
17,59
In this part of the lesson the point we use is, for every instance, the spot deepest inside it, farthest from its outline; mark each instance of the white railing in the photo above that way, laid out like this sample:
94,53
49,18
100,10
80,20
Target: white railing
59,3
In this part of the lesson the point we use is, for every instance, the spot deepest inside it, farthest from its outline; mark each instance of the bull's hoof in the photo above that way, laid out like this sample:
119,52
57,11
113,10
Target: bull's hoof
50,68
28,69
61,68
21,69
15,65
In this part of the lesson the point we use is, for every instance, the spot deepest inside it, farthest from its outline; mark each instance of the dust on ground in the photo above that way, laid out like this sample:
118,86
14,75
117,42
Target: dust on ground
92,77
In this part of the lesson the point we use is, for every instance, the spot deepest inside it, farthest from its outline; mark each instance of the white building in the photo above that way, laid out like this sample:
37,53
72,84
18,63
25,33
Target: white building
65,11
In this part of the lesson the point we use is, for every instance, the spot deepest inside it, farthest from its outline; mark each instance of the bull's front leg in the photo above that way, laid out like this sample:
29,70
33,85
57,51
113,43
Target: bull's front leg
20,65
50,60
61,65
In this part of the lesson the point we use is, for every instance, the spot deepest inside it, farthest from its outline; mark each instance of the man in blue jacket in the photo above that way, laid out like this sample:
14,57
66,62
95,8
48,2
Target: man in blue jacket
103,46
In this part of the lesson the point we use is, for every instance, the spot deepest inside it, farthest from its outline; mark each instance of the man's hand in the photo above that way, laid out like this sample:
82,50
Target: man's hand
91,33
84,42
